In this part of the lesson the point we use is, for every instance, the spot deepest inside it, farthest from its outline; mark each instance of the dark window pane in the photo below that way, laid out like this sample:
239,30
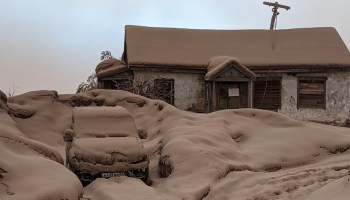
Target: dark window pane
165,90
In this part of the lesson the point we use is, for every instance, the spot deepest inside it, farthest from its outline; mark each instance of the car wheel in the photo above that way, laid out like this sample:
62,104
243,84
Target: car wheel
146,177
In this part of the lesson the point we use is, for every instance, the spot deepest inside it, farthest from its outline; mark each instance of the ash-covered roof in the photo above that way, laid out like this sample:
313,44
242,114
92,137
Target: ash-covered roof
172,47
220,64
110,67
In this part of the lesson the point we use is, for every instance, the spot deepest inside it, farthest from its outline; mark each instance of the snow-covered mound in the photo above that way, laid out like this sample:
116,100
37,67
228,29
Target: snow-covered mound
31,169
230,154
120,188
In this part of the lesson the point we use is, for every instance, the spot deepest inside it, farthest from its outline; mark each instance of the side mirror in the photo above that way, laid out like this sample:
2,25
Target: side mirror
68,135
142,133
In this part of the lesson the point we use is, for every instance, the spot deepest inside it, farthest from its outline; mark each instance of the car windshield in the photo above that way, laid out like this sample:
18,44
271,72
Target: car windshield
103,122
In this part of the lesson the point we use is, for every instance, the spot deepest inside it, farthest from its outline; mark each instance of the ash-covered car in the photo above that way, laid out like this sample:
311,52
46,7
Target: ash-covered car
104,142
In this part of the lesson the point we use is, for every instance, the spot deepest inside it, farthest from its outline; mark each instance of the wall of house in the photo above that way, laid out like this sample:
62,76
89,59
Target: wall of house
188,88
337,99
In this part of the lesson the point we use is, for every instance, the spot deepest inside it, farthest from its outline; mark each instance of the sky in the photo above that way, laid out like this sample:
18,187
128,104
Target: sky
56,44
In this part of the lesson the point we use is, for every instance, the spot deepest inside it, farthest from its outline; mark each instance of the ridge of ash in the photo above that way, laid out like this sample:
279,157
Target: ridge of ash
337,150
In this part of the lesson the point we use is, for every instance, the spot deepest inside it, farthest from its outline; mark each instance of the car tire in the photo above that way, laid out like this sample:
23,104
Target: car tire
146,178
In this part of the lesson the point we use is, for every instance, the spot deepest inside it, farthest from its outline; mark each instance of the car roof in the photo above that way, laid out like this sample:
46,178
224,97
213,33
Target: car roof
103,122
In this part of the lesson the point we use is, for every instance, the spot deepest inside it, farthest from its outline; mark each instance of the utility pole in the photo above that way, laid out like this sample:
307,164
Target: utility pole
275,12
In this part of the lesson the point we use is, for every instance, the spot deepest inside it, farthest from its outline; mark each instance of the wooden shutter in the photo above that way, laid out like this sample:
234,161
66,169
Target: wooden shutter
311,92
267,94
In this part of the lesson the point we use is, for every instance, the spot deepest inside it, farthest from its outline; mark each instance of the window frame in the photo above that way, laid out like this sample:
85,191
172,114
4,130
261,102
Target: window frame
158,81
268,79
316,78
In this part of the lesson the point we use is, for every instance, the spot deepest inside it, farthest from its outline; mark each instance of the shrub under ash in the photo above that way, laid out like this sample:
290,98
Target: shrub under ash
90,84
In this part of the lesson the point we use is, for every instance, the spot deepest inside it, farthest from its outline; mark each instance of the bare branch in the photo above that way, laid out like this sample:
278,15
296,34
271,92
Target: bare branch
144,87
11,91
90,84
105,55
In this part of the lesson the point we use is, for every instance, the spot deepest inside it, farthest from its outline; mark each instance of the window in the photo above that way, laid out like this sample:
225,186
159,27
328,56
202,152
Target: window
267,93
120,81
312,92
165,89
122,84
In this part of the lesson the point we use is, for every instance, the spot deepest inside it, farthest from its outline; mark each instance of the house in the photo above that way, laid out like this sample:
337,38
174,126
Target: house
303,73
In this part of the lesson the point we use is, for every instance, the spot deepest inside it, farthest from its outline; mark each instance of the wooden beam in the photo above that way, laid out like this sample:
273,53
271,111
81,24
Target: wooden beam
250,94
214,96
232,80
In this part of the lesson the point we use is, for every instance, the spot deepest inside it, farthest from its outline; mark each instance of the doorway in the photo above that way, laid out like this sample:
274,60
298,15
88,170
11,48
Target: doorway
232,95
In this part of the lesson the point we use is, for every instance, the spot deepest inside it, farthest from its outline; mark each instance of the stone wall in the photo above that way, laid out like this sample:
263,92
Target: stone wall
188,88
337,110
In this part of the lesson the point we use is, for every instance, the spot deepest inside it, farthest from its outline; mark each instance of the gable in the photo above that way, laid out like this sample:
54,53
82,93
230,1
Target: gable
232,73
227,68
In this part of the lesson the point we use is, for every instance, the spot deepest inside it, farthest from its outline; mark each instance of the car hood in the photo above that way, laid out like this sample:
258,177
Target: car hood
108,150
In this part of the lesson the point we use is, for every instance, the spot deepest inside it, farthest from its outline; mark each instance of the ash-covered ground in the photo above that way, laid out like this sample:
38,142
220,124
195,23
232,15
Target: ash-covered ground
229,154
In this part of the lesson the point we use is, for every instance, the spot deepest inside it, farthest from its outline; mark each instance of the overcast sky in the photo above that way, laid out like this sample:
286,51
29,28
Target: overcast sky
56,44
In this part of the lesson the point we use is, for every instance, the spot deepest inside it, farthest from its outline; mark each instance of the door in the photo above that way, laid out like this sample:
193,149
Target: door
232,95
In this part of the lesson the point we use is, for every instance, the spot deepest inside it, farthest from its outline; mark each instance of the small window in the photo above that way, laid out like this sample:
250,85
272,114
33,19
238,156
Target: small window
312,92
267,93
165,89
116,84
123,84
